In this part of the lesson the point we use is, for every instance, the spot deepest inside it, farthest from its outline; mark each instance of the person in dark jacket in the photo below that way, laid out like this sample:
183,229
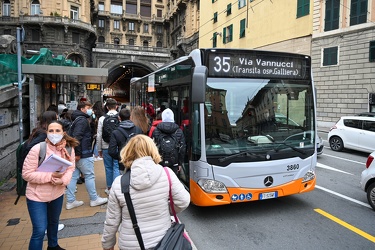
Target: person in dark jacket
168,126
81,130
118,139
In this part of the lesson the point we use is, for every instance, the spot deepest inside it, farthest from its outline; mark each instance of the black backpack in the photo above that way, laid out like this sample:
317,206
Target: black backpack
21,183
110,123
169,148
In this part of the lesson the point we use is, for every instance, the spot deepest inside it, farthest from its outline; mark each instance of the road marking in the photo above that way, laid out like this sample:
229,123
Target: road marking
361,163
346,225
343,196
331,168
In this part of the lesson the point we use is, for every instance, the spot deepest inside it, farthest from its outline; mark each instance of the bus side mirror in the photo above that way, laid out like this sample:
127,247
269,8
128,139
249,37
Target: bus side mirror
198,86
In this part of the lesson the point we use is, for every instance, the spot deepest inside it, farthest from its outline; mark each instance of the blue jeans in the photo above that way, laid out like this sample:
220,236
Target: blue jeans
86,167
44,215
111,168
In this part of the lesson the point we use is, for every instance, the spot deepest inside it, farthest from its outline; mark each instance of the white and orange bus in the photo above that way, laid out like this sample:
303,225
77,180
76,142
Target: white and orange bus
249,121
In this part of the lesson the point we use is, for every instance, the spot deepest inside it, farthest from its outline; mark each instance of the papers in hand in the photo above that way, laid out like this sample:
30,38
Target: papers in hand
54,163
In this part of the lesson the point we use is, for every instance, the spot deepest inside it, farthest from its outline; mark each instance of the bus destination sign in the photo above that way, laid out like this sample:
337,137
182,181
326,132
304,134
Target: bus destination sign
257,65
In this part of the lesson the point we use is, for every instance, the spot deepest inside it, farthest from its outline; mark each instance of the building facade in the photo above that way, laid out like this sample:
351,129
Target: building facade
343,57
254,24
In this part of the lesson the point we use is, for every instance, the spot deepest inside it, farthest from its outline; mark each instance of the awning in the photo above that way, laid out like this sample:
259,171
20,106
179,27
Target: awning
69,74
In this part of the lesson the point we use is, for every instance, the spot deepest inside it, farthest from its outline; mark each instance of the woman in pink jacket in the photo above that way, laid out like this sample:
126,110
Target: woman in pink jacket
45,190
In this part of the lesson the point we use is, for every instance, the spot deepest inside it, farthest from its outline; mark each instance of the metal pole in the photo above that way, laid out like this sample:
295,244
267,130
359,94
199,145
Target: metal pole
19,30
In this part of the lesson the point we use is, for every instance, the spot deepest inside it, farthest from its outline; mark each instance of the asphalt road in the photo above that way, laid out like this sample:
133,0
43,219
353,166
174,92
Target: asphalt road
335,215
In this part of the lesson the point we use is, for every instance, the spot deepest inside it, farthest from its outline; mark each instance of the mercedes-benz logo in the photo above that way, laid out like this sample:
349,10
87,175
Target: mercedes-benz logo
268,181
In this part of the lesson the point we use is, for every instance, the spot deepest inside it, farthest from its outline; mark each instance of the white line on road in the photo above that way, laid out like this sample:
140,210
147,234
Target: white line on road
345,159
331,168
343,196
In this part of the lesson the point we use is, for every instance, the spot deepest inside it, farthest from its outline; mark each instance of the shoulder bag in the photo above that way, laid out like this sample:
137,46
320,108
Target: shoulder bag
175,238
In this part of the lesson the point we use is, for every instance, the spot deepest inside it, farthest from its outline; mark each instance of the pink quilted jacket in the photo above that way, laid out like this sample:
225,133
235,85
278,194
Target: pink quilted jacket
39,186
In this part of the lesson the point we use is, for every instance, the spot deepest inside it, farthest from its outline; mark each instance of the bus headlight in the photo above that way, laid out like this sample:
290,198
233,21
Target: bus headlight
310,175
212,186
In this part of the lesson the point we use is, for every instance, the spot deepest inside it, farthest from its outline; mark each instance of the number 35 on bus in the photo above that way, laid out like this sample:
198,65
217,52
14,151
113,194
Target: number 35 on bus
248,117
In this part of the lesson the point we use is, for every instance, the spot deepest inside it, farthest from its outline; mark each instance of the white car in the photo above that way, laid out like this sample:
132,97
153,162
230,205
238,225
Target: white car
368,180
353,132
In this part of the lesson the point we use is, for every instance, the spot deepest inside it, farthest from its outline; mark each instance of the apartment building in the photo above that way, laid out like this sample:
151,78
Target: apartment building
343,57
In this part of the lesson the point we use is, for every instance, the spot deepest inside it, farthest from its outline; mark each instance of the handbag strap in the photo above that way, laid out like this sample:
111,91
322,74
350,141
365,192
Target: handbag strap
125,183
170,195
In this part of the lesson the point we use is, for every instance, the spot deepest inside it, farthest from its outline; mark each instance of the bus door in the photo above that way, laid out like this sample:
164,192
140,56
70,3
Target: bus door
179,103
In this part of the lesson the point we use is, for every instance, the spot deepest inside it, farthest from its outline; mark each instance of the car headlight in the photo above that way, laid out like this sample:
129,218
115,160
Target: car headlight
310,175
212,186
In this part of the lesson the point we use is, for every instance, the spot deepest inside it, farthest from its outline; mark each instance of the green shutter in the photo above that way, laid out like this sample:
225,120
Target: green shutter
230,33
224,35
242,27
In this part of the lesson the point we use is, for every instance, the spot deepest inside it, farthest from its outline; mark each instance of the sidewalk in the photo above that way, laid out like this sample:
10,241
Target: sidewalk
83,225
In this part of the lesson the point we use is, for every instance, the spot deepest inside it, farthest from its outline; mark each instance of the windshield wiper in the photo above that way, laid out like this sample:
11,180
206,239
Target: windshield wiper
290,146
246,152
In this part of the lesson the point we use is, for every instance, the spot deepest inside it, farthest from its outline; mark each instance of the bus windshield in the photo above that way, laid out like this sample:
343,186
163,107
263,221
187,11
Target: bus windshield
258,117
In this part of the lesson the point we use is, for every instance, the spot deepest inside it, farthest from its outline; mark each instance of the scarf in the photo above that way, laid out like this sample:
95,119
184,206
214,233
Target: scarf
61,146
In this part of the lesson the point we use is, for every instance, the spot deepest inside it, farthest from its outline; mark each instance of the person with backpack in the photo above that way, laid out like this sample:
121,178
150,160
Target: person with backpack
121,136
170,141
80,129
106,124
45,190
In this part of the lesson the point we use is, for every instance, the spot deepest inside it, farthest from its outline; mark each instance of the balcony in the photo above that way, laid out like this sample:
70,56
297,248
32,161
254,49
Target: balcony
51,20
130,47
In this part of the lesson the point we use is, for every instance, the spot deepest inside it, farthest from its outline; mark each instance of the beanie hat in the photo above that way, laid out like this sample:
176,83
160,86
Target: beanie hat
167,116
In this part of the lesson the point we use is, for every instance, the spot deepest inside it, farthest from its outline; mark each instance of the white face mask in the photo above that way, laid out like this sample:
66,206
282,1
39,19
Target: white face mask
54,138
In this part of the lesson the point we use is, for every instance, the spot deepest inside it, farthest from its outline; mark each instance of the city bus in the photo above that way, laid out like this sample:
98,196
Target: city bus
248,117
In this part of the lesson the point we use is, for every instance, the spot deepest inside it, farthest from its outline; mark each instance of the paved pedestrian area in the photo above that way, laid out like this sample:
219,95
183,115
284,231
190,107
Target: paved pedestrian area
83,225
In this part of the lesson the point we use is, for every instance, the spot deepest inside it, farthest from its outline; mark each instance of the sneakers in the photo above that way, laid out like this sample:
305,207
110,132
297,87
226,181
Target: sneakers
74,204
61,227
98,202
98,158
107,191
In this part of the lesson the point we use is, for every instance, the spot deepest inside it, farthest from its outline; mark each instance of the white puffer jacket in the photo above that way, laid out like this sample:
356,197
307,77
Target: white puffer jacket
149,191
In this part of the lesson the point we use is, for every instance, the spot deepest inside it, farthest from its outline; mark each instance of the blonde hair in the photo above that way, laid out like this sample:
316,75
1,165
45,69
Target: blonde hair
139,146
139,118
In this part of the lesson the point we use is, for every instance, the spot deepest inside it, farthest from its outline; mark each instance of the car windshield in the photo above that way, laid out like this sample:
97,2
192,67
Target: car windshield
257,116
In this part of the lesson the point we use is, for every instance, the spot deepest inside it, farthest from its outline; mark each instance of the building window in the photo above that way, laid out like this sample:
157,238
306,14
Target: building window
131,26
131,8
372,51
332,15
101,23
101,39
159,29
159,13
6,8
7,32
330,56
214,1
35,7
214,40
116,8
131,42
228,34
116,24
241,3
74,13
159,44
116,41
145,43
146,11
75,37
215,17
145,28
35,35
229,9
101,6
358,12
303,8
242,27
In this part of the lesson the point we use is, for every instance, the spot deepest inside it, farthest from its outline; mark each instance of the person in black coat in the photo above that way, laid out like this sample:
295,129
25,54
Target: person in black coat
119,136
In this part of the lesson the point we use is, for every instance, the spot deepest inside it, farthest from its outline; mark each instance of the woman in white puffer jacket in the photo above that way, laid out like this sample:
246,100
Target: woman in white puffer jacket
149,191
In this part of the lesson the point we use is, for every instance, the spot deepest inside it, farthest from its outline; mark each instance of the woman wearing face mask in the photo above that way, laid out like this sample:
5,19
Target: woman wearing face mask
45,190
